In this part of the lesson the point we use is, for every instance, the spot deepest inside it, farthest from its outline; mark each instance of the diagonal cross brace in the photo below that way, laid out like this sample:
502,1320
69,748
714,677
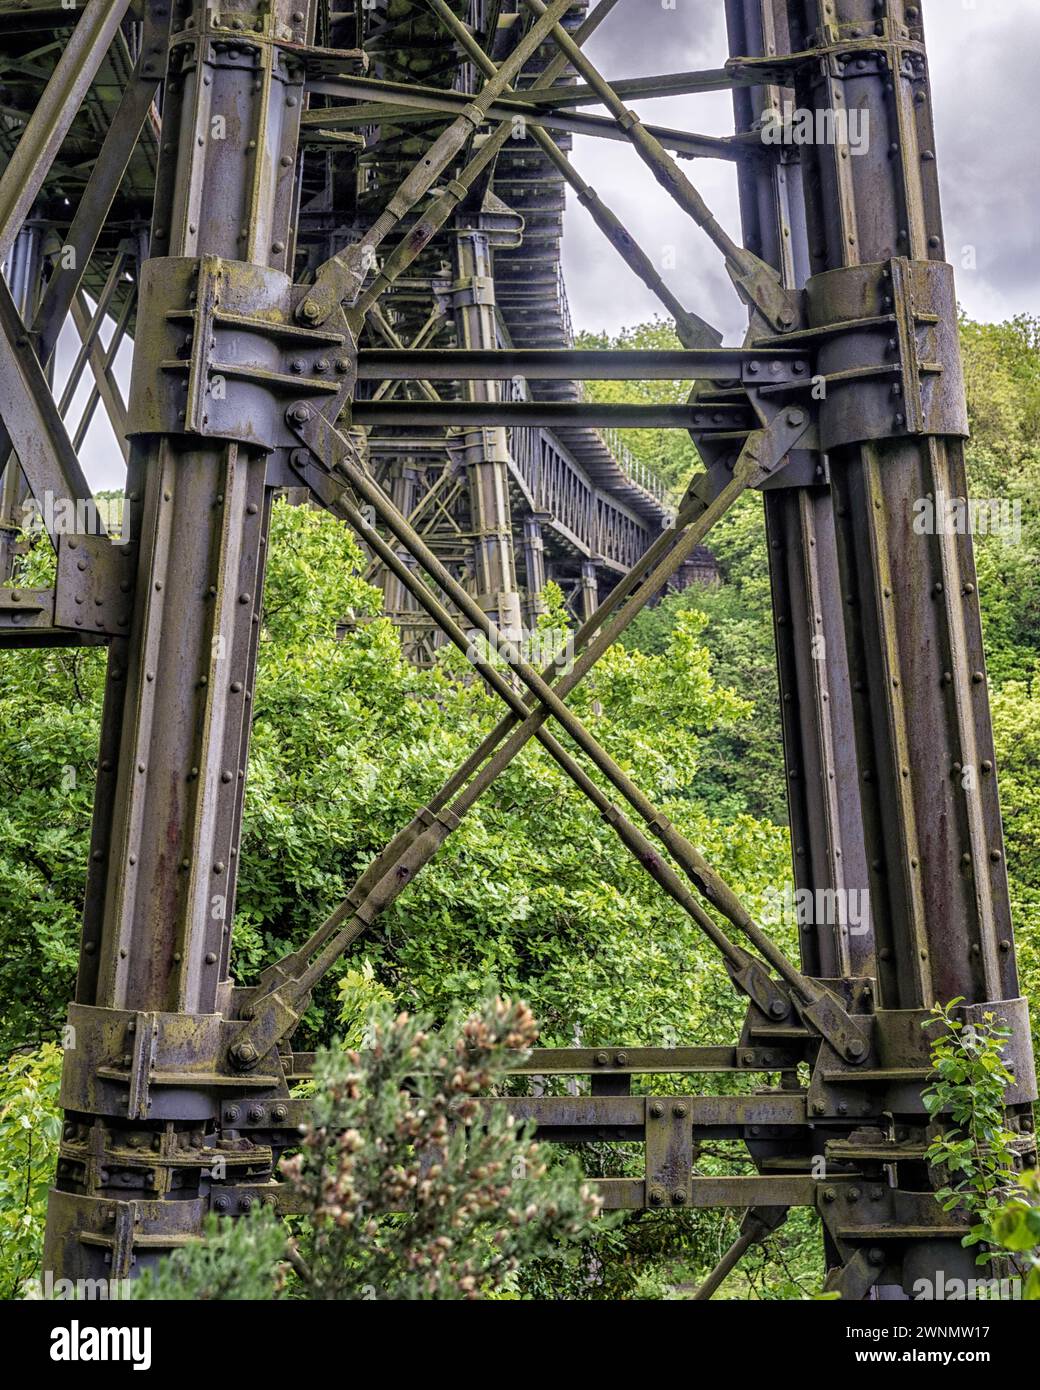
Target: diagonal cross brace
693,331
756,282
429,223
57,109
383,882
283,988
30,413
339,279
749,974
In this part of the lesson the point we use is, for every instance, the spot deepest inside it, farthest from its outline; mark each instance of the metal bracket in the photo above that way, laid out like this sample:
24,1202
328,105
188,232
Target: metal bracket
119,1063
669,1152
887,351
228,353
95,582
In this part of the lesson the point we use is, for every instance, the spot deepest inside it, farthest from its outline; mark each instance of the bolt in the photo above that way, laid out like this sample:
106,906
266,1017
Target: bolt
656,1197
679,1111
311,309
678,1197
620,1058
299,414
876,1256
245,1053
601,1059
231,1114
656,1109
221,1203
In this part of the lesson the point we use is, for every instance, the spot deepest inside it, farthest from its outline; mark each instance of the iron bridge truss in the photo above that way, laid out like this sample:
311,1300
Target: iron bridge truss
299,214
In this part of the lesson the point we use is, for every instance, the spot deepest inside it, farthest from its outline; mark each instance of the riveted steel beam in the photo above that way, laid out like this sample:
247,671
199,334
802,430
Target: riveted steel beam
549,364
160,897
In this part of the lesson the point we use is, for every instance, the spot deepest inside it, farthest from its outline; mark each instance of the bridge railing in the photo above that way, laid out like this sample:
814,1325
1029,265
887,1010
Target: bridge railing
558,487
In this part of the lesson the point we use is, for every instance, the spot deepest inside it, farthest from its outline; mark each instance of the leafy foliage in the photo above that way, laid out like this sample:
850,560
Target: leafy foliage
400,1126
30,1131
974,1143
1016,1228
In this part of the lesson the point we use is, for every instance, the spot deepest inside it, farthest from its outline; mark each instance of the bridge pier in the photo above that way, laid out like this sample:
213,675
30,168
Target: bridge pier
176,1083
486,449
141,1086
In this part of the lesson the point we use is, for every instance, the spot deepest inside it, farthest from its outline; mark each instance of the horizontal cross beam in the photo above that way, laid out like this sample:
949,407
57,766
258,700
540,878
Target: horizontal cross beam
560,364
549,414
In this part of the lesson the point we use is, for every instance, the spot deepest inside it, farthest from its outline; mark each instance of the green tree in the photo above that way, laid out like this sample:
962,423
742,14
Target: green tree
30,1131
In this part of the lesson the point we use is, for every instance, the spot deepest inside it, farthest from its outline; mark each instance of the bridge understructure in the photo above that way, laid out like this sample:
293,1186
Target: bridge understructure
309,221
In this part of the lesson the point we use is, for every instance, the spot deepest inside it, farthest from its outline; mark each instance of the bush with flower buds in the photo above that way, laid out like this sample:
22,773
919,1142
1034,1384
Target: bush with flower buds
416,1186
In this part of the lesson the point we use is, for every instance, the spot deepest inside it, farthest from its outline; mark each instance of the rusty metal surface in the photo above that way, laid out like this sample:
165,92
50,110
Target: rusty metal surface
275,347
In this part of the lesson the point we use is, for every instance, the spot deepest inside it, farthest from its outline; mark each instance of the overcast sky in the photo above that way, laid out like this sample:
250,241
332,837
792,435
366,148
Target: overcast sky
983,56
983,59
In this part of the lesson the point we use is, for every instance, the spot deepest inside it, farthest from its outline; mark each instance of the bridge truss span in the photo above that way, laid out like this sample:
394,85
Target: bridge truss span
333,237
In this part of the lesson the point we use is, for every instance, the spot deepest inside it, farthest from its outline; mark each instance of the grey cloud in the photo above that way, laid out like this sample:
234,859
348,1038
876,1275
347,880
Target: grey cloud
982,67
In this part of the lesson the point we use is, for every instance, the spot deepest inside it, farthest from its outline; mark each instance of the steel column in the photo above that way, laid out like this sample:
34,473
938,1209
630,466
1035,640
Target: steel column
160,896
485,449
815,692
